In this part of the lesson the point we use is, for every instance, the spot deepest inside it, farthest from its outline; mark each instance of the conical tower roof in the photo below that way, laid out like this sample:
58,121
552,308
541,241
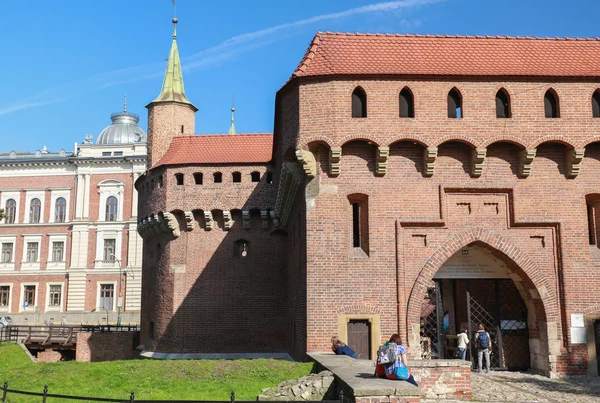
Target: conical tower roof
172,88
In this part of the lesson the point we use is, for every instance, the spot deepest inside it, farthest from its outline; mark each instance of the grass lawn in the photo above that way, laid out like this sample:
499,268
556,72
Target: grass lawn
150,379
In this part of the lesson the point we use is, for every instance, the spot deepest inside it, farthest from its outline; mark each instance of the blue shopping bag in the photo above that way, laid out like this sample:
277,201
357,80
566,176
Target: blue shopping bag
401,373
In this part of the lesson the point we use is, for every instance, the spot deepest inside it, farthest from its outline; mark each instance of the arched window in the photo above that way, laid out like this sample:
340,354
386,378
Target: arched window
596,104
551,108
255,176
407,108
359,103
112,207
236,177
454,104
60,210
35,208
218,177
179,179
10,211
502,104
198,178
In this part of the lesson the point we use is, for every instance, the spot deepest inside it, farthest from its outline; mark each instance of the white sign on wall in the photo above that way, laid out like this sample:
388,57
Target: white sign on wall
472,263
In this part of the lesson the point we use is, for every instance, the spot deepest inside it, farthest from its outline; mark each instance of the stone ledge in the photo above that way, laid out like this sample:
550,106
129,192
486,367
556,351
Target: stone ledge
438,363
358,375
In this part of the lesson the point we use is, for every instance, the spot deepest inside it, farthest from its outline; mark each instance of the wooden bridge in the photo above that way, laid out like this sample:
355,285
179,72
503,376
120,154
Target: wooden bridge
57,337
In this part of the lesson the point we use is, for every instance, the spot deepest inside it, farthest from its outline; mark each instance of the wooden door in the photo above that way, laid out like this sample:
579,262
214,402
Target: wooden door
359,338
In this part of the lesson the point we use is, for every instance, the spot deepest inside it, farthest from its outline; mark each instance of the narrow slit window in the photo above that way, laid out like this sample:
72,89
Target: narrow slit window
359,103
551,108
596,104
179,179
356,225
454,104
502,104
406,104
591,224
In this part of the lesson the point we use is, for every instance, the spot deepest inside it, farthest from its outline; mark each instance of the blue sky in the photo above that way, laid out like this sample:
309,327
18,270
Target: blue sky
67,64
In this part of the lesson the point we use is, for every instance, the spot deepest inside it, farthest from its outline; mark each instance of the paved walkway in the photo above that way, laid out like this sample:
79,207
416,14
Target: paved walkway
525,387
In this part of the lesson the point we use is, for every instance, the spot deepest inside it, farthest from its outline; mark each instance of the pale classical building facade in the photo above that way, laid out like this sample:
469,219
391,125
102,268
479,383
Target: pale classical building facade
70,229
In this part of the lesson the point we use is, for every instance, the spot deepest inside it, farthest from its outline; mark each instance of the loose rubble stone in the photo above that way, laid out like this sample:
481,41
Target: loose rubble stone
311,387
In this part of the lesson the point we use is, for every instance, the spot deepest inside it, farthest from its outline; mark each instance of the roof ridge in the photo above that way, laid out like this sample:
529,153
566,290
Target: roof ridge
457,36
309,55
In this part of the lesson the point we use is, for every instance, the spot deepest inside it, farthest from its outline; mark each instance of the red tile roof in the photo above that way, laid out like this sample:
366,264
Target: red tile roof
219,149
350,54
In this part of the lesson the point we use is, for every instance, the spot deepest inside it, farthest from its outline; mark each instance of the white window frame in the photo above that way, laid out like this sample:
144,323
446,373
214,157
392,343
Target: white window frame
11,195
115,295
64,193
101,235
6,309
56,238
25,265
9,239
29,196
52,308
22,297
107,188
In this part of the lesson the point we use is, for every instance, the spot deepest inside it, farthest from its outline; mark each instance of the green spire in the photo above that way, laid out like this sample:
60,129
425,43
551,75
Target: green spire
172,88
232,127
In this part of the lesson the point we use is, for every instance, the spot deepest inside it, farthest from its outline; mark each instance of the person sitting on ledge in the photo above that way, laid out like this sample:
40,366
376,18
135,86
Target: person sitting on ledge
399,369
340,348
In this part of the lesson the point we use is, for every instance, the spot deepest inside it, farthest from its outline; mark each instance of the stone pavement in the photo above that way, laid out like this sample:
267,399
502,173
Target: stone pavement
526,387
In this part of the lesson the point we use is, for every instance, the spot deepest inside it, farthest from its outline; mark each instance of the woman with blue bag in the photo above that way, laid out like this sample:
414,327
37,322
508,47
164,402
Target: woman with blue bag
398,369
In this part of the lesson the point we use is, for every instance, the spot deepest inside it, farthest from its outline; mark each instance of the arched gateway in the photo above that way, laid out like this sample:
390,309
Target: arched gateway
480,277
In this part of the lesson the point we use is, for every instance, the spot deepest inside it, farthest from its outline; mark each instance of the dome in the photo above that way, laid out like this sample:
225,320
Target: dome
123,130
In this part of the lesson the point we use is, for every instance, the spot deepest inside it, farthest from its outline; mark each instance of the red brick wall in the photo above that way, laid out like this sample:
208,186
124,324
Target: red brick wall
49,356
105,346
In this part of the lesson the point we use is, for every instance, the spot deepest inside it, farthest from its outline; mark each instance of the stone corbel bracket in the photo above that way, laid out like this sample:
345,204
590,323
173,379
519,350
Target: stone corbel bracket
208,220
189,220
574,158
308,162
172,224
429,160
335,157
526,157
274,218
381,162
477,161
264,217
246,219
227,220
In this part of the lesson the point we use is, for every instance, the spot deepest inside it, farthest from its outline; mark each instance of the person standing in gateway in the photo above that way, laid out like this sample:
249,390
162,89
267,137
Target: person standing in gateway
483,342
463,341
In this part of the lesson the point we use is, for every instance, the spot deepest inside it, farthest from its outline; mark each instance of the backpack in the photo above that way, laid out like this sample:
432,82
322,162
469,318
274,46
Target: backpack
483,341
386,354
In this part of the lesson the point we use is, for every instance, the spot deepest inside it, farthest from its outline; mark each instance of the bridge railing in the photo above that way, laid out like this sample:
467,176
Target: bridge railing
63,334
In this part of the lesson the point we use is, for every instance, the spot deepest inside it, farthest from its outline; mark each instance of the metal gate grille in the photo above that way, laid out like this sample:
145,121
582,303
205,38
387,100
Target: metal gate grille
431,340
476,315
505,319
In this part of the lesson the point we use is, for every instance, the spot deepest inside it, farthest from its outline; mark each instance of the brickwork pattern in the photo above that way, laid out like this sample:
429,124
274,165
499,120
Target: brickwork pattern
49,356
105,346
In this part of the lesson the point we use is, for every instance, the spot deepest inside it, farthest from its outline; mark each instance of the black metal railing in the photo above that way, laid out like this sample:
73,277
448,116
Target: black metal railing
46,397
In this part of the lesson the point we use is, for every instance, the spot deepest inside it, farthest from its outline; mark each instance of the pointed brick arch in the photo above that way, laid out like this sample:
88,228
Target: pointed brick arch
525,268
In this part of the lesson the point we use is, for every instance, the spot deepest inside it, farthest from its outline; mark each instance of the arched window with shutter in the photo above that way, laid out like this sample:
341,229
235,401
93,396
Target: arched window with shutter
596,104
406,104
359,103
455,110
502,104
551,106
